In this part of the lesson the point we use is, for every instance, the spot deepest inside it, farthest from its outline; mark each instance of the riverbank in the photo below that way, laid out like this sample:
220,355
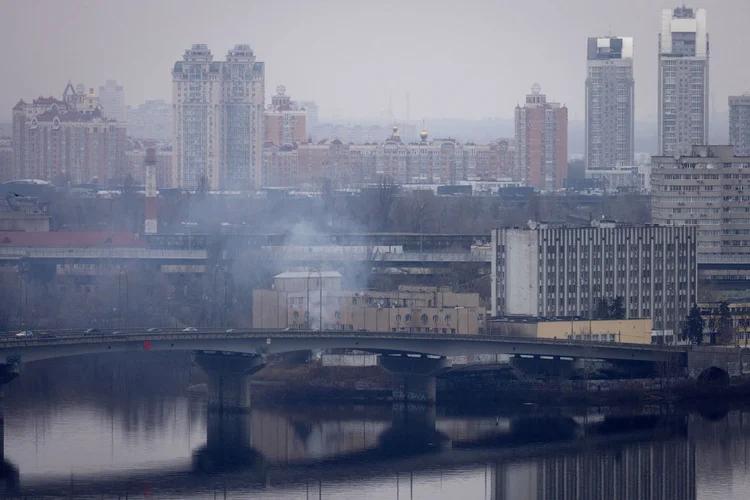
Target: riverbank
312,382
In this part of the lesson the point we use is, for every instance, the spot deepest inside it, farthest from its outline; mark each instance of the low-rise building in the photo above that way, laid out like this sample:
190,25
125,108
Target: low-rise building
629,331
316,300
626,178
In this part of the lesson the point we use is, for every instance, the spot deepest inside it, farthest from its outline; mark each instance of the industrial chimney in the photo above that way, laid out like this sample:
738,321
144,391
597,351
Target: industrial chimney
150,191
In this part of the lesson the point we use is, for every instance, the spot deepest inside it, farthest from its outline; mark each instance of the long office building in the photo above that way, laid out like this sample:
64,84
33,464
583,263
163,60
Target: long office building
739,124
541,271
541,129
610,96
706,189
683,80
218,119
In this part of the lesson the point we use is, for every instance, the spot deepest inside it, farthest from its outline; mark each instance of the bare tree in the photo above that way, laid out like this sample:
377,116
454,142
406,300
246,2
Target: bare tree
386,194
419,213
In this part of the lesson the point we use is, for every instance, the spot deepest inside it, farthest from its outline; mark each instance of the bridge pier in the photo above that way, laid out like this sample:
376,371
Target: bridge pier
228,379
228,443
413,378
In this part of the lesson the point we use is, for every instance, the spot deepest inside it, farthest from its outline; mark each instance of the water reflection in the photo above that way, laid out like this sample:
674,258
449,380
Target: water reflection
169,446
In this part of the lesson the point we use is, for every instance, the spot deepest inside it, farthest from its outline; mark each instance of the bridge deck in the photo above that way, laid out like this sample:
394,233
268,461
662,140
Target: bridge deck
254,342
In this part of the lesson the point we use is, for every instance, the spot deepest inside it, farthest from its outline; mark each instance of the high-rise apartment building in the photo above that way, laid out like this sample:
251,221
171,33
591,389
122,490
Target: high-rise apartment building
112,101
313,114
541,142
739,124
683,80
150,120
68,140
218,119
285,120
706,189
552,272
609,103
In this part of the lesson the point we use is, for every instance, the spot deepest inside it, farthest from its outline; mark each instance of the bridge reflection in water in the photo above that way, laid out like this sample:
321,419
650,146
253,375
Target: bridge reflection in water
525,456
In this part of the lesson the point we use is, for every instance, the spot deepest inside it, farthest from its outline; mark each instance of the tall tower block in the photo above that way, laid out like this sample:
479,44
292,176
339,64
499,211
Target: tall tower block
150,211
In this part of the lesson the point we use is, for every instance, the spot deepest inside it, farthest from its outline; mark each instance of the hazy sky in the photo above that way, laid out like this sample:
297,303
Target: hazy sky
467,59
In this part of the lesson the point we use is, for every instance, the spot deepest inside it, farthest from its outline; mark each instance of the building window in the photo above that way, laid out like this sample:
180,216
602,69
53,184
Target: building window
447,319
424,319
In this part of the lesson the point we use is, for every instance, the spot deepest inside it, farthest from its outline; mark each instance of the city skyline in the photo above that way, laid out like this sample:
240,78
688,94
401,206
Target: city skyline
373,67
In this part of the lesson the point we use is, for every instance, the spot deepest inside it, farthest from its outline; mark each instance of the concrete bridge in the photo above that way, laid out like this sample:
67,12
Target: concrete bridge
230,358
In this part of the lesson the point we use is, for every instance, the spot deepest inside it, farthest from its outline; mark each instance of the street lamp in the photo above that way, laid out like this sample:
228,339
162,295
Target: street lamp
312,271
23,270
215,302
121,271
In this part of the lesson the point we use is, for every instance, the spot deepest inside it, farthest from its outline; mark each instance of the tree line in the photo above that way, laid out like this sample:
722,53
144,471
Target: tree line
718,324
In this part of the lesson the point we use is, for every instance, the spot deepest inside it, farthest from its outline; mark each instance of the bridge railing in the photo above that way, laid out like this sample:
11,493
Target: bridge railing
103,253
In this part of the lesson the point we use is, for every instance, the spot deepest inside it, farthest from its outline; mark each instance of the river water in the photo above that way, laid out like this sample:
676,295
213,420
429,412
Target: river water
109,427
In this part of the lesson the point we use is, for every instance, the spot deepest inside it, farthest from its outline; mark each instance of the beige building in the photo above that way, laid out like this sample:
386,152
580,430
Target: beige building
297,300
629,331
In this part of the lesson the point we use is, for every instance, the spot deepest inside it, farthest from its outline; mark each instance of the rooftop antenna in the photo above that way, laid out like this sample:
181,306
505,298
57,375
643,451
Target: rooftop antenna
408,110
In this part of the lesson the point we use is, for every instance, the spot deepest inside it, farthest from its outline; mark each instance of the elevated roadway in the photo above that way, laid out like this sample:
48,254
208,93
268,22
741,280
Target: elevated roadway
258,342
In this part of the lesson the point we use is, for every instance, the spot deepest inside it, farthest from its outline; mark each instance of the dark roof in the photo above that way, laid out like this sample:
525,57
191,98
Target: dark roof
69,239
19,106
45,101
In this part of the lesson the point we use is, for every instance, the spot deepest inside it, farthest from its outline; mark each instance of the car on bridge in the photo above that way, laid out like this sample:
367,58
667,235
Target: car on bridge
24,334
92,331
190,329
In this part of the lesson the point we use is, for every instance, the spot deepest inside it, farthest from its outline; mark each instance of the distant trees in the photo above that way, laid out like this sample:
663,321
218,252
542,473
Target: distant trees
606,308
725,333
386,195
693,328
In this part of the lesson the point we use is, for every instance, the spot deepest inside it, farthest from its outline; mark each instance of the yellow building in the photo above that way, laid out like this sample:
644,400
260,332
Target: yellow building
298,301
629,331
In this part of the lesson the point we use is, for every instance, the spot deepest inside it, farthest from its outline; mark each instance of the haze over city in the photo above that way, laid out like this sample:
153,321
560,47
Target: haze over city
342,249
469,60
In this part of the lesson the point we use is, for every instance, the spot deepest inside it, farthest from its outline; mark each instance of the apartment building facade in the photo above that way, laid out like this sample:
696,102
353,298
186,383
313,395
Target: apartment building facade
67,140
440,161
739,124
683,80
541,136
218,119
286,120
708,189
610,103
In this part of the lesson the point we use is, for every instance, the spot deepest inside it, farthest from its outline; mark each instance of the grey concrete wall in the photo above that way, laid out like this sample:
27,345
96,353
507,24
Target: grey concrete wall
734,361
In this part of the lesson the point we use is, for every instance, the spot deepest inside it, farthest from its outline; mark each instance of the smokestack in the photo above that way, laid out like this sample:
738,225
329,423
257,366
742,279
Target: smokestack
150,190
